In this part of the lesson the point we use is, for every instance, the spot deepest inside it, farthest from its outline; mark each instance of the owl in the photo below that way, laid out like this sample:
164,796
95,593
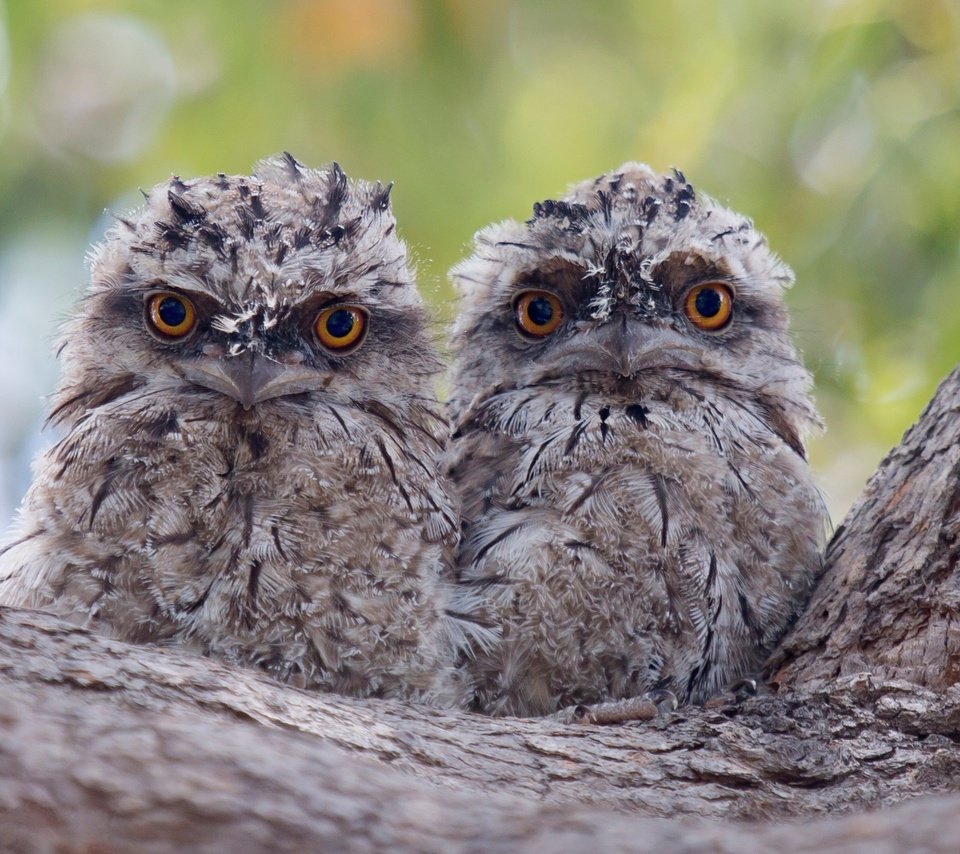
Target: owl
629,418
249,461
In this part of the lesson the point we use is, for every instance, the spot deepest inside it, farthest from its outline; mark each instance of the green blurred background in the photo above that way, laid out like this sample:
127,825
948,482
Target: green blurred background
836,125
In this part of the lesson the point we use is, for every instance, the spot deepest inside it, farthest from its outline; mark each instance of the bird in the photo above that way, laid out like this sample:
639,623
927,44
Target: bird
629,417
249,454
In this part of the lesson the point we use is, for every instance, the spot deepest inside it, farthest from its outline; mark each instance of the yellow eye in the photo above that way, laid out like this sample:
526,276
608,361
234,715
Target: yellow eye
538,313
171,315
340,327
709,306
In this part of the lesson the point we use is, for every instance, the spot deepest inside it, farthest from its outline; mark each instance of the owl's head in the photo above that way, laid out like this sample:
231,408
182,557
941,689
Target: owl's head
630,284
248,291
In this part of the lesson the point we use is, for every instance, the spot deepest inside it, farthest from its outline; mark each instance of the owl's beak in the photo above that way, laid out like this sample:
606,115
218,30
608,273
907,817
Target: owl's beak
251,378
642,346
625,347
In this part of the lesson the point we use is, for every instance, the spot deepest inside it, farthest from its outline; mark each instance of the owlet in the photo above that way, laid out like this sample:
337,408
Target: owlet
251,440
629,417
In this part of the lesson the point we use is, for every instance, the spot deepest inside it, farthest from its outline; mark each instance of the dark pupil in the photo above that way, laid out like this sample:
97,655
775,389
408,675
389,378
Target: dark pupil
340,323
172,312
540,311
708,302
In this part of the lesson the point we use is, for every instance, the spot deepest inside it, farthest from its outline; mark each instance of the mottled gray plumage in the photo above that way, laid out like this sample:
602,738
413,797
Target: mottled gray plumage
247,491
638,510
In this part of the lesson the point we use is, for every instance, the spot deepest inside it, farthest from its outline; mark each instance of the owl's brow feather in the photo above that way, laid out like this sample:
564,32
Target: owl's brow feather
129,284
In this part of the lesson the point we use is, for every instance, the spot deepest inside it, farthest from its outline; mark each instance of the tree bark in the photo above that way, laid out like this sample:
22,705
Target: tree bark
889,601
106,746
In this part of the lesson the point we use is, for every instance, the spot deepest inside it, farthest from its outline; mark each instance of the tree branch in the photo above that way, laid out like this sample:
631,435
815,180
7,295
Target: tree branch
81,773
889,601
123,731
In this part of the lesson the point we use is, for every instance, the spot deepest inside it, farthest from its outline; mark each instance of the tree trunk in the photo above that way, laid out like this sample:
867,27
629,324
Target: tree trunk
106,746
889,601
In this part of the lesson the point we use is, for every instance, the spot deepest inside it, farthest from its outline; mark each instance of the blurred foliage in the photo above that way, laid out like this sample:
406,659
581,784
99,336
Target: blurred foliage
835,124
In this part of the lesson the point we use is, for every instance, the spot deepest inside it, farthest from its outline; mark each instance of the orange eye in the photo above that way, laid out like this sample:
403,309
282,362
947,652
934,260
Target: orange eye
538,313
340,327
709,306
171,315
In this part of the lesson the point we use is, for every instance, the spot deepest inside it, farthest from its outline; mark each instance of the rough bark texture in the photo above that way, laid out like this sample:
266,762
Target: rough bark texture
105,746
889,602
108,746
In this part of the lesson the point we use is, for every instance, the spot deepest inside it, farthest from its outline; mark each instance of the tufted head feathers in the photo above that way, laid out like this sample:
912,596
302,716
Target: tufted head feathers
249,290
621,256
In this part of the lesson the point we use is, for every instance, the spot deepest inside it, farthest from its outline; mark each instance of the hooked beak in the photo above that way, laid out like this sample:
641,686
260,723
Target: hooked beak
251,378
624,347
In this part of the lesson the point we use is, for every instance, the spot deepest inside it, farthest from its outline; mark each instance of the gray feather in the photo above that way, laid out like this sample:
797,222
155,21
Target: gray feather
638,511
310,533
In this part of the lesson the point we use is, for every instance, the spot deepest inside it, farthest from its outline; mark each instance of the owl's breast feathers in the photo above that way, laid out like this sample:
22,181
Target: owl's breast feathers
307,541
627,545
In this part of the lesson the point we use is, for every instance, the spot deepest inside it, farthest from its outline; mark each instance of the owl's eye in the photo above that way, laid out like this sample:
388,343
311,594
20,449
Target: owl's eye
538,313
709,306
171,316
340,327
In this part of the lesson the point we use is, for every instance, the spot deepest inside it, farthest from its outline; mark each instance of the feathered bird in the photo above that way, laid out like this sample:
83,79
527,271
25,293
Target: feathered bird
249,460
629,411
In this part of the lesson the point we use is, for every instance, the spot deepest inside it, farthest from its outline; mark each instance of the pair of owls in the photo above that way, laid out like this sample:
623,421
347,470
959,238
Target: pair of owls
254,464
